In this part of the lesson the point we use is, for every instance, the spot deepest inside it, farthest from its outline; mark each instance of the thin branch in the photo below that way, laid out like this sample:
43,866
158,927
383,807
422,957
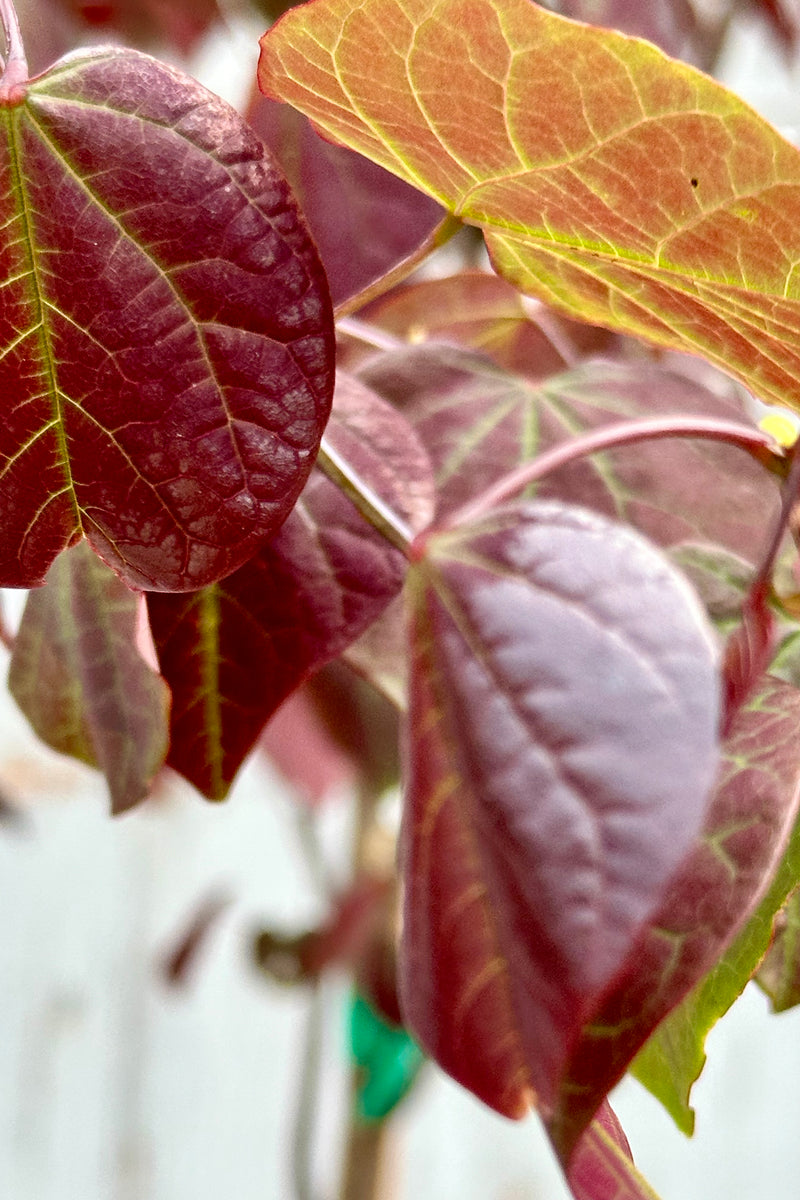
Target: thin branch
623,433
304,1123
367,501
446,228
370,335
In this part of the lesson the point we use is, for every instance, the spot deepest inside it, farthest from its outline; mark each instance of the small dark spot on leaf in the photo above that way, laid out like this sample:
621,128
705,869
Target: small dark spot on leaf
693,181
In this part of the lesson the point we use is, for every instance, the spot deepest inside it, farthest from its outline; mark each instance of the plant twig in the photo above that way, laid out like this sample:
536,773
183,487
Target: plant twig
367,501
754,441
15,72
447,227
304,1123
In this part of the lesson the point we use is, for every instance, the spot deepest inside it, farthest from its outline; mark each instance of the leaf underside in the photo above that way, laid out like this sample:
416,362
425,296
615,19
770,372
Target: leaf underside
562,745
166,338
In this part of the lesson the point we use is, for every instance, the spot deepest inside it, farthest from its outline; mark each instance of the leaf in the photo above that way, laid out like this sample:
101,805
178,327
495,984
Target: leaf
165,336
602,1167
744,837
363,219
674,1056
477,422
779,973
232,652
617,185
77,674
482,312
544,814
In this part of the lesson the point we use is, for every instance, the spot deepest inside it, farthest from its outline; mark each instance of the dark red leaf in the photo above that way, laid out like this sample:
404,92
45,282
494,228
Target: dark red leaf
744,835
363,219
562,746
166,334
233,651
77,674
478,422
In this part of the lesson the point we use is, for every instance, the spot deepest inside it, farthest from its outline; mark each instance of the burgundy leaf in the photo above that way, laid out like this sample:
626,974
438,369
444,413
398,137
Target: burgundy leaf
363,219
562,745
78,676
166,331
233,651
744,835
673,26
749,650
478,422
303,750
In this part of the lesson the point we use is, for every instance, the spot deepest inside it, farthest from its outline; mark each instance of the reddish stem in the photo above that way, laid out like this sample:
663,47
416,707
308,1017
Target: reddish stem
623,433
15,73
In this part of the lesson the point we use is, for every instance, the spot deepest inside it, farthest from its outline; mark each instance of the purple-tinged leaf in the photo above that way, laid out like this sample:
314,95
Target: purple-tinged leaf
479,422
298,744
674,26
744,836
78,676
482,312
749,650
363,219
779,973
602,1167
166,331
562,739
767,750
233,651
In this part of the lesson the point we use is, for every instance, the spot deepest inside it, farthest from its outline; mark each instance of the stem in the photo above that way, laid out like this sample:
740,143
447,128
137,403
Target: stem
623,433
16,65
370,335
367,501
446,228
308,1098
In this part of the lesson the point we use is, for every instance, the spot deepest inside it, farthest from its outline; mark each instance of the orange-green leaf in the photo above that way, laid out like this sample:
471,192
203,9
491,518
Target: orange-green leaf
78,676
611,181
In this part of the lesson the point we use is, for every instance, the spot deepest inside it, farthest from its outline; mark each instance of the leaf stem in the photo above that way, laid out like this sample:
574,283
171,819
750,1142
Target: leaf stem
367,501
15,72
447,227
622,433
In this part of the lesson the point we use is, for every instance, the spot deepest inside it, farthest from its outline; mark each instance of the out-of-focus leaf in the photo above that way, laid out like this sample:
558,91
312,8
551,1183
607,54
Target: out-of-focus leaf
602,1168
300,746
562,746
673,1058
363,219
779,973
478,422
166,333
744,836
360,720
180,961
616,184
673,26
482,312
147,23
233,651
78,676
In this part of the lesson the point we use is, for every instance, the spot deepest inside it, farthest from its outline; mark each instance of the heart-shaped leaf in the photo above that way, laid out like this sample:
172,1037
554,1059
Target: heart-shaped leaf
166,338
79,678
562,745
233,651
477,422
614,183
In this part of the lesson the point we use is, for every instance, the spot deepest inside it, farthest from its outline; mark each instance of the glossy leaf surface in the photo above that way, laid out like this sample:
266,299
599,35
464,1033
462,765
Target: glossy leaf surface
233,651
562,745
166,337
743,839
364,220
674,1056
78,676
614,183
478,422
